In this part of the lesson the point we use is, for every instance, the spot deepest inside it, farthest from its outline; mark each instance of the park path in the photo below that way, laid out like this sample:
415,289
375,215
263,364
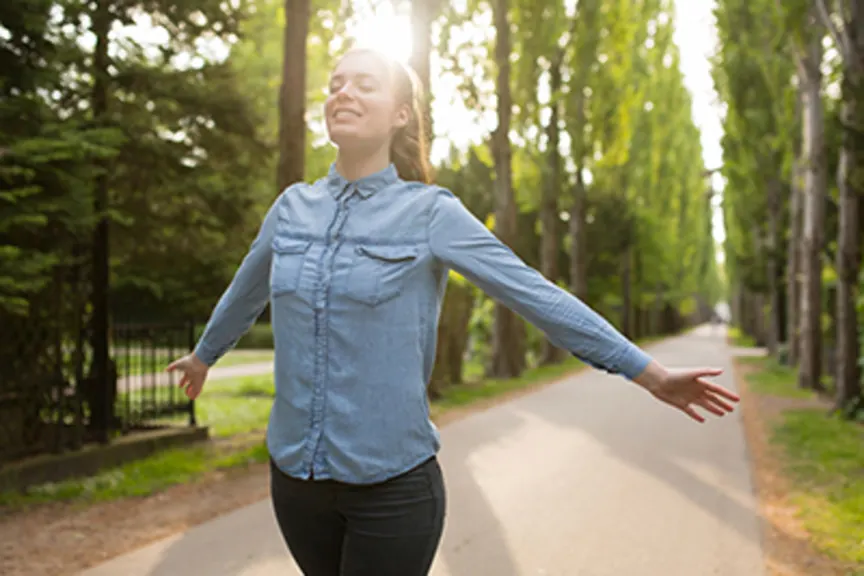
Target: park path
587,477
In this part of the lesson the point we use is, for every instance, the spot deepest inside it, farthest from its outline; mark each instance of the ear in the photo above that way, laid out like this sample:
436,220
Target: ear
403,116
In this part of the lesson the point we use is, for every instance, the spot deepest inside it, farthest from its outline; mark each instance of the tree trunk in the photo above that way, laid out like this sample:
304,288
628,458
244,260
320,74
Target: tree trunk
793,267
452,338
849,174
550,241
101,389
626,284
292,96
813,153
587,11
772,267
508,346
423,13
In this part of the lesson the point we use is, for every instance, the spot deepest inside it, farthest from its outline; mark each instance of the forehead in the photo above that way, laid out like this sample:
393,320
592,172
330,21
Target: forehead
356,64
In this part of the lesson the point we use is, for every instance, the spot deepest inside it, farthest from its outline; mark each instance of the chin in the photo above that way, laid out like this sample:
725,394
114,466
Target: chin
348,140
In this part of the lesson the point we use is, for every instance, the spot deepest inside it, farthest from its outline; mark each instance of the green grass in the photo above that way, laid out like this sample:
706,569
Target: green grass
231,407
774,379
824,459
738,338
142,477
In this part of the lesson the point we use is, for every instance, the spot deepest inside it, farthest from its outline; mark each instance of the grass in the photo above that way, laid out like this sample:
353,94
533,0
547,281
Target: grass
823,457
773,379
141,477
739,339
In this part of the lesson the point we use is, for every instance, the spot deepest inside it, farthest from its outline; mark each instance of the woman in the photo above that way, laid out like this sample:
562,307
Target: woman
354,267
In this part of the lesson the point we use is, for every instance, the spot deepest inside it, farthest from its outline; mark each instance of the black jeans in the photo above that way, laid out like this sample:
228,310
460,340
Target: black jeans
388,529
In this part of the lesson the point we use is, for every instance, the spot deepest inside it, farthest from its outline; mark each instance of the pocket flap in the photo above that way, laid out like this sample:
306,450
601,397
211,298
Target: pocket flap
287,245
389,253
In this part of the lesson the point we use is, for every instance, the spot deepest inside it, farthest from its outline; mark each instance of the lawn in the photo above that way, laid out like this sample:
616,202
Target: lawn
823,457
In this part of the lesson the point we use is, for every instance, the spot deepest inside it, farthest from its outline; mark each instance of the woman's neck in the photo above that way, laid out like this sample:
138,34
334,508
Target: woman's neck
354,166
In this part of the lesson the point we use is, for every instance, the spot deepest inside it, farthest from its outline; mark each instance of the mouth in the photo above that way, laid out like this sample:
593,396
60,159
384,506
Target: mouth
345,114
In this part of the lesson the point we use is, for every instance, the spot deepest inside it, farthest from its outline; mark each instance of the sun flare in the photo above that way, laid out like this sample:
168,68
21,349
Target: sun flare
385,32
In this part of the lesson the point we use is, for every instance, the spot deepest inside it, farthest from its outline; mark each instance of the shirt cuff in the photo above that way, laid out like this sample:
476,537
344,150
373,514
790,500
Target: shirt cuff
207,354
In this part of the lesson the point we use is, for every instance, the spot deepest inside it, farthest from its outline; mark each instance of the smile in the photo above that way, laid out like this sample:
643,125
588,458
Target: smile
344,113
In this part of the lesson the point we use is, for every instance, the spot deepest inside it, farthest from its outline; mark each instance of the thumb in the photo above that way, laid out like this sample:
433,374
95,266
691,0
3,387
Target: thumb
175,365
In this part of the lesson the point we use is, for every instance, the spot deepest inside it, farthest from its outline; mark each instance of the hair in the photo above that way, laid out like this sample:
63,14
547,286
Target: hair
409,148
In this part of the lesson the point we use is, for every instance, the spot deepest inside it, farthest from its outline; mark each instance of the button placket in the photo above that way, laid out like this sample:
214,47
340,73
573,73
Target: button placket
320,301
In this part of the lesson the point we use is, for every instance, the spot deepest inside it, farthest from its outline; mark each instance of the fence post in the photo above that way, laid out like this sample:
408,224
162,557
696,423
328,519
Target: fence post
192,419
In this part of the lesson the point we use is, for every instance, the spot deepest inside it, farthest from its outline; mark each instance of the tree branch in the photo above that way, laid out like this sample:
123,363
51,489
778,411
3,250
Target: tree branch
840,36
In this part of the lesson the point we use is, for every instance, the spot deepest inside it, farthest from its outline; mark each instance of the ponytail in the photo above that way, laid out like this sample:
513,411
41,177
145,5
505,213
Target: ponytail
409,150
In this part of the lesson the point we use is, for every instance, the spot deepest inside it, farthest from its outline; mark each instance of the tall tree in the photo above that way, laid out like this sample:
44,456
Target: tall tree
508,357
809,58
292,96
847,30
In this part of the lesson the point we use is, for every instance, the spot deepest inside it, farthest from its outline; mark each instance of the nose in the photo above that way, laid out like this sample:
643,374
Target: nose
346,91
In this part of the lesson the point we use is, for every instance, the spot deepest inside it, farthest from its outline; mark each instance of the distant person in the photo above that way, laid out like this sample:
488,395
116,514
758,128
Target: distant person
354,266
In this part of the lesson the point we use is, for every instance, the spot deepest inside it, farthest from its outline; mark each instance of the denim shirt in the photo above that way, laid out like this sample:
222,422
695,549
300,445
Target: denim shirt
355,274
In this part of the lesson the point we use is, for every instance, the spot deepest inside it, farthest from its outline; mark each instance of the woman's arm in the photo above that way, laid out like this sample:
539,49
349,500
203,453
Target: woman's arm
244,299
464,244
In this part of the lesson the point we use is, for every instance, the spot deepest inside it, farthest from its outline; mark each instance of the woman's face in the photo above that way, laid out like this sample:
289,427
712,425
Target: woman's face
361,109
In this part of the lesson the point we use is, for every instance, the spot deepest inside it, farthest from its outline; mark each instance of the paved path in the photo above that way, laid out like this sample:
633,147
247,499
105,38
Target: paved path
588,477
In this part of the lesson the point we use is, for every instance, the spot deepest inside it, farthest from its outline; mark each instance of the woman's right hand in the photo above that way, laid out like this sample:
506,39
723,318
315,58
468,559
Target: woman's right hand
194,373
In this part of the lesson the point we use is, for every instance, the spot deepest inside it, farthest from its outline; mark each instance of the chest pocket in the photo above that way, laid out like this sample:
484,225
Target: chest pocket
378,273
289,255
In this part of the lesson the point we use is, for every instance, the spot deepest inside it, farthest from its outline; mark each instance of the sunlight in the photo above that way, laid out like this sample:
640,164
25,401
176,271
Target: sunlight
385,32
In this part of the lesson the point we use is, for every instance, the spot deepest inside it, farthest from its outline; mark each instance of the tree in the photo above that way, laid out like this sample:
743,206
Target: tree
292,96
508,358
847,31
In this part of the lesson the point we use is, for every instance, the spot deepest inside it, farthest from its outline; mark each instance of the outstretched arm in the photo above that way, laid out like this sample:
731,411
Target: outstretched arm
240,304
463,243
244,299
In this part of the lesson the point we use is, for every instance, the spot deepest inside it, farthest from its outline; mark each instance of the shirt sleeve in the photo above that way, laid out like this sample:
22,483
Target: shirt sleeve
244,299
459,240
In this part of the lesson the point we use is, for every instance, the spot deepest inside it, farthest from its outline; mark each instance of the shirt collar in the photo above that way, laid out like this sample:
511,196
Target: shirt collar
365,186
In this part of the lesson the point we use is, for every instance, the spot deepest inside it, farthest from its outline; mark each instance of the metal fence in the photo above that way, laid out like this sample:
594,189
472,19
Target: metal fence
45,367
146,394
50,398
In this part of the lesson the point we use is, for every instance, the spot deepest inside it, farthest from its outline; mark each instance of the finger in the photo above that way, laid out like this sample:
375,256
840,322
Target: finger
710,407
704,372
173,365
693,414
183,381
721,391
719,402
194,389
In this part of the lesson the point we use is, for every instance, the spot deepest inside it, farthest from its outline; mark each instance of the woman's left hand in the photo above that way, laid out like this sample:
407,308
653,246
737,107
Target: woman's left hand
685,389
